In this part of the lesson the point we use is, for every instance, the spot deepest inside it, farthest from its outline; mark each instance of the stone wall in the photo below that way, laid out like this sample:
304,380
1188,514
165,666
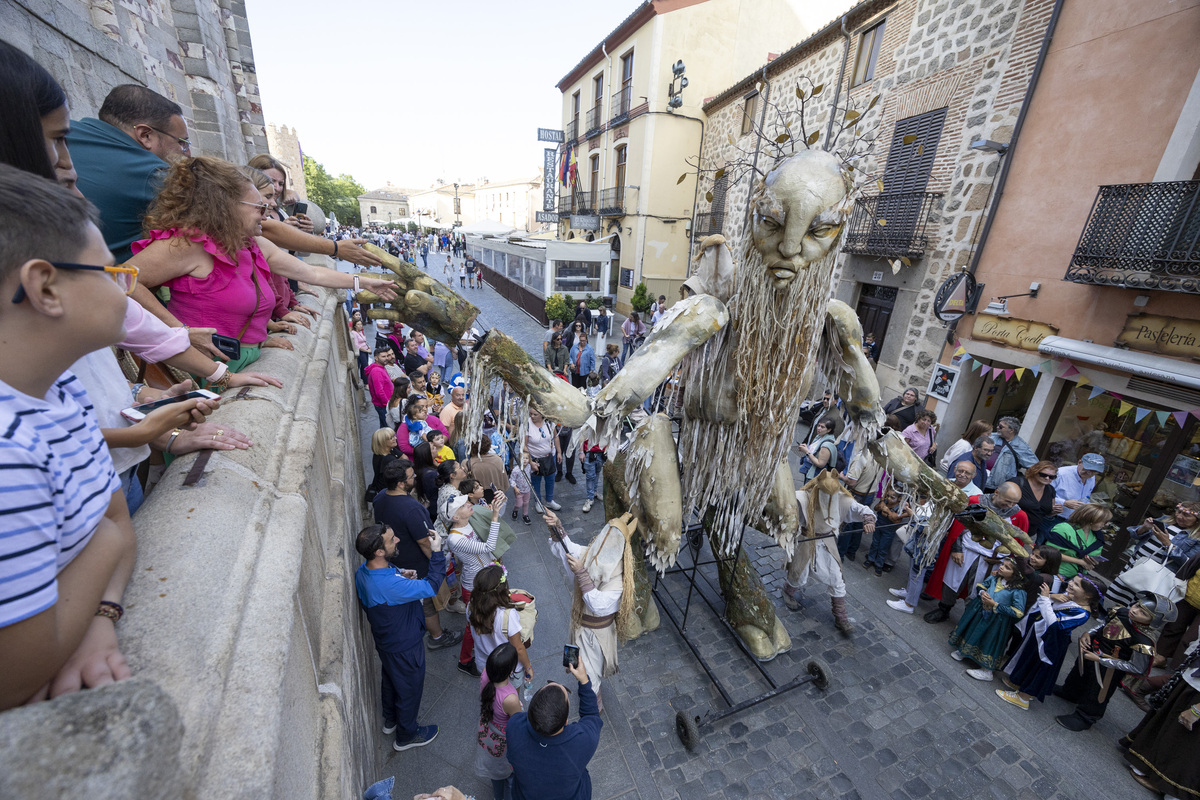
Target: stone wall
196,52
972,58
253,669
284,143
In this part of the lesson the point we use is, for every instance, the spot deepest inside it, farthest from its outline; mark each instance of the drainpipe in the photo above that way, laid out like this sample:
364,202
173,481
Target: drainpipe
607,131
762,121
837,91
1006,162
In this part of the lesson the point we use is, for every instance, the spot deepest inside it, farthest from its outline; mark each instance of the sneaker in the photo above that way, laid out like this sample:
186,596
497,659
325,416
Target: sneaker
553,506
1012,697
878,572
514,513
868,564
898,592
901,605
888,567
957,655
447,639
980,674
587,505
388,730
469,668
424,735
526,518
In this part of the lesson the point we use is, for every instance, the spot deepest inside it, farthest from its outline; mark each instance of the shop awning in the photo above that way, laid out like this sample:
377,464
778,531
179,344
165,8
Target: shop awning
1147,365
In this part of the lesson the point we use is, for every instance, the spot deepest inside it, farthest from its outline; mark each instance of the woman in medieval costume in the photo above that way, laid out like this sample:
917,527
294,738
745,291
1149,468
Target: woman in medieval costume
1163,751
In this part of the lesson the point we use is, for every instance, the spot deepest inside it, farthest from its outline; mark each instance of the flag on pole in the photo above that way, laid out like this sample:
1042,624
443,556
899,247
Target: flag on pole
574,169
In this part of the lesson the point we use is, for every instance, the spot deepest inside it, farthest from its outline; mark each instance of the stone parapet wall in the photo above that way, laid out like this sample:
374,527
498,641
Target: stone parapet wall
241,618
196,52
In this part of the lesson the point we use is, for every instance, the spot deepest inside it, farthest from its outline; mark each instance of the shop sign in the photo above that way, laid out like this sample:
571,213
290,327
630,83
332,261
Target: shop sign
585,222
549,160
1168,336
550,135
954,296
547,216
1022,333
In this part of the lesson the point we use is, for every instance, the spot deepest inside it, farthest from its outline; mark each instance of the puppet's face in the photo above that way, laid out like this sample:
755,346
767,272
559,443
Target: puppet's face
797,214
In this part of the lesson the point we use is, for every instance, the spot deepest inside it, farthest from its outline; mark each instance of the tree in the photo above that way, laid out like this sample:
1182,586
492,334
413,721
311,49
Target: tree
640,301
338,195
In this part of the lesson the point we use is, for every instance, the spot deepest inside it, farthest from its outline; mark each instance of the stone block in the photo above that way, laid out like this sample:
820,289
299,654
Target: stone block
115,742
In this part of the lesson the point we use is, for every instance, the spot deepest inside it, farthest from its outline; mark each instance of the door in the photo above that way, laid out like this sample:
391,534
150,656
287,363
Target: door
874,310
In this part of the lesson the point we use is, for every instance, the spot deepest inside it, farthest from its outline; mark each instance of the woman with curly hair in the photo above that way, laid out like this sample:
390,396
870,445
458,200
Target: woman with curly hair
493,619
204,244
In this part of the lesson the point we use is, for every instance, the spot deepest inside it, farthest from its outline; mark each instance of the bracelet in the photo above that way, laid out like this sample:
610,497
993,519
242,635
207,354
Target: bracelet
218,372
1195,710
171,442
356,284
335,248
136,390
111,610
223,381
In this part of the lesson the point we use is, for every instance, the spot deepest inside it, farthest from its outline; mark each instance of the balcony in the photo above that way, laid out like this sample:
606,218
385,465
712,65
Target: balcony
891,225
1142,236
571,132
620,105
612,202
566,203
595,121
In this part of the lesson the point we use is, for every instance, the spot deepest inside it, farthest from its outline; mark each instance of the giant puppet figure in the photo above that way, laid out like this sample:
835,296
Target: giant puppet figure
753,328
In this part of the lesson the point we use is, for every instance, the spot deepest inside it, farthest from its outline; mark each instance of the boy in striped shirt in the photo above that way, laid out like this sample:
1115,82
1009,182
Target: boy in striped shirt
67,545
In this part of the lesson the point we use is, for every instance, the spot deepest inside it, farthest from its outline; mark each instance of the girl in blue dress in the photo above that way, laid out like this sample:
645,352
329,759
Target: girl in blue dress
982,633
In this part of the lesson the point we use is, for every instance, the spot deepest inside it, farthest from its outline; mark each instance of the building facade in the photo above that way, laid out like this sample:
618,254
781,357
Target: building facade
196,52
1105,216
284,143
630,144
511,203
435,207
945,75
388,204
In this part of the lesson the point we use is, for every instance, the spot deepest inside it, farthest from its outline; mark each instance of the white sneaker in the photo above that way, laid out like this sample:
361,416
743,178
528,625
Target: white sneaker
900,605
587,505
898,592
957,655
553,506
980,674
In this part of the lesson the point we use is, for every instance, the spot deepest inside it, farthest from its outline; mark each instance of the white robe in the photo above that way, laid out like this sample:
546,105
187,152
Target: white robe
973,564
600,601
826,565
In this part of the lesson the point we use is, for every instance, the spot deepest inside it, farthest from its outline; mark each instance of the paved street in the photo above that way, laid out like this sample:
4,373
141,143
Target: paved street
899,720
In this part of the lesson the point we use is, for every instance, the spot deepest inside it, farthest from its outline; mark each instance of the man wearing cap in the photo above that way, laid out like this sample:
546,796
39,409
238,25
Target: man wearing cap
1074,485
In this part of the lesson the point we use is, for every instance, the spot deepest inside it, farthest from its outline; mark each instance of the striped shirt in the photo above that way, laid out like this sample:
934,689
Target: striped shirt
56,481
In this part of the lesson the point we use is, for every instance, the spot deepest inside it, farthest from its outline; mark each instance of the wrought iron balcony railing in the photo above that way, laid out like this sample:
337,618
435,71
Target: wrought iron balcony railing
595,120
891,225
571,132
1142,236
620,105
567,203
612,202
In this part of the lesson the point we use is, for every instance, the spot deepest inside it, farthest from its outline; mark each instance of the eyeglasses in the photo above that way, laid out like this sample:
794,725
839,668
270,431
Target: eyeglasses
1047,475
263,208
124,275
184,144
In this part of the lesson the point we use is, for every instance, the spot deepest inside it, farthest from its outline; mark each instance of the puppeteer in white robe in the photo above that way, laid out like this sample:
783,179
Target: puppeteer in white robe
820,560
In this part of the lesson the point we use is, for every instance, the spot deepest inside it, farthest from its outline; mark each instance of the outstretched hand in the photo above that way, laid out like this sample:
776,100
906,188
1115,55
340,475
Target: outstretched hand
351,250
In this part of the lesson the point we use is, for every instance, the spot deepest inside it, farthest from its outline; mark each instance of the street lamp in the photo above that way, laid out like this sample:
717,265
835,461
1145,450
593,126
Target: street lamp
457,207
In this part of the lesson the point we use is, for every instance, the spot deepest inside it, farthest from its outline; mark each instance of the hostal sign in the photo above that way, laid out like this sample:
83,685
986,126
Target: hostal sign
1022,333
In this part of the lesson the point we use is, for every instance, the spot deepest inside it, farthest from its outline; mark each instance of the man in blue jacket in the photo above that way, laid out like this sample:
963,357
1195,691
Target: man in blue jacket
392,599
549,757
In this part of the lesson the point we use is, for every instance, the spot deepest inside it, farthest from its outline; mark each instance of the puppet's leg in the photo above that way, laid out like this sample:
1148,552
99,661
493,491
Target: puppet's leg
616,503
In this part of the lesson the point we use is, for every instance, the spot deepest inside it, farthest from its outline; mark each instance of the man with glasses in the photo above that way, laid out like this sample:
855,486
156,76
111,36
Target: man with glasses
121,156
981,450
549,757
1074,485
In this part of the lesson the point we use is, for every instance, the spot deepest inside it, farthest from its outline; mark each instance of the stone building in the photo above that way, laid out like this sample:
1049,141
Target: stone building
1106,219
435,207
284,143
631,144
384,205
196,52
947,73
511,202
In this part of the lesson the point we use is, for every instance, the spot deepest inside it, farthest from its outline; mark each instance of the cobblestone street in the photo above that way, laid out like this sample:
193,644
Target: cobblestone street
899,719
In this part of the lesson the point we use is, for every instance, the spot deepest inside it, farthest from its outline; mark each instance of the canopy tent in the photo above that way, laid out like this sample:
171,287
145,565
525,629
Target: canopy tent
487,227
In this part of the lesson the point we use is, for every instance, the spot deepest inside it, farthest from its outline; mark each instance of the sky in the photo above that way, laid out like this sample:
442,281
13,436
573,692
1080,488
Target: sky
409,92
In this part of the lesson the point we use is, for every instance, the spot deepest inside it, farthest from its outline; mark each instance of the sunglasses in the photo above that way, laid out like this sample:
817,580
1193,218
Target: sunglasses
1047,475
263,208
124,275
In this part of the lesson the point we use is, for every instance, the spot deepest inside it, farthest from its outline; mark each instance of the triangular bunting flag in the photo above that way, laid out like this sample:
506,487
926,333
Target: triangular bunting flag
1020,372
1162,416
1095,391
1140,414
1125,408
1180,417
958,342
1196,413
1070,371
960,351
1083,380
1008,373
983,373
1036,369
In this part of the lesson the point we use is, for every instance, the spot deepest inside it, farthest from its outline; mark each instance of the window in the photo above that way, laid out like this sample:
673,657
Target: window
598,88
594,185
622,155
627,70
868,53
749,111
373,211
573,133
720,187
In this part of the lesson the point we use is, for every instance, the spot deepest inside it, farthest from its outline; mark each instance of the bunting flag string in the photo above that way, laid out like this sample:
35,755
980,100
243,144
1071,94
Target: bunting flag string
1096,390
1126,407
1162,416
1180,417
1140,414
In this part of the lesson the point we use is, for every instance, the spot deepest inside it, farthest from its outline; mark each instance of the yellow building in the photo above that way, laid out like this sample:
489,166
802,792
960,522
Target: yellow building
632,139
511,203
435,207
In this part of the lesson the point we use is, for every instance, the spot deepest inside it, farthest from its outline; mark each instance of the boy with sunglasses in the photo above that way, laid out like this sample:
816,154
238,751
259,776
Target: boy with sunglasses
69,546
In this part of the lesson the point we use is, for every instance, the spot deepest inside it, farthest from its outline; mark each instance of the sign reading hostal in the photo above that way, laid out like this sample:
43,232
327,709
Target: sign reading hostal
1021,333
1168,336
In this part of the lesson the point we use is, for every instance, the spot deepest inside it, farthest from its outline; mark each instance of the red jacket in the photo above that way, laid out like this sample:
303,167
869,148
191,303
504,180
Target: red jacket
934,585
380,384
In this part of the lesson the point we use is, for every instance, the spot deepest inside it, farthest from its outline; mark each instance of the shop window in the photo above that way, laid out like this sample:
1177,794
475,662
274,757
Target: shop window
577,277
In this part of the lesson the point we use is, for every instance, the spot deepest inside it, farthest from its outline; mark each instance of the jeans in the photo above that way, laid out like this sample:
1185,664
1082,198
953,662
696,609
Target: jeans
851,536
591,472
916,582
502,788
548,480
133,489
881,542
382,412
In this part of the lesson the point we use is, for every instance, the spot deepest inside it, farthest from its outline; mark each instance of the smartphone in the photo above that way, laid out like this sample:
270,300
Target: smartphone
570,655
138,413
299,208
228,345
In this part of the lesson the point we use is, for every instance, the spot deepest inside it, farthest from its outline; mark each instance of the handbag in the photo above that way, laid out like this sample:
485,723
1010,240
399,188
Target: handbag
526,605
1147,574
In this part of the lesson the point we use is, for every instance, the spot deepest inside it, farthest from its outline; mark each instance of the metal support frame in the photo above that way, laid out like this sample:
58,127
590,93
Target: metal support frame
686,727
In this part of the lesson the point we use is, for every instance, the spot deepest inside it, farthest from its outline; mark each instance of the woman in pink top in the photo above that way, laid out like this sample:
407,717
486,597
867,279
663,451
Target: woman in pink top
498,700
204,244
